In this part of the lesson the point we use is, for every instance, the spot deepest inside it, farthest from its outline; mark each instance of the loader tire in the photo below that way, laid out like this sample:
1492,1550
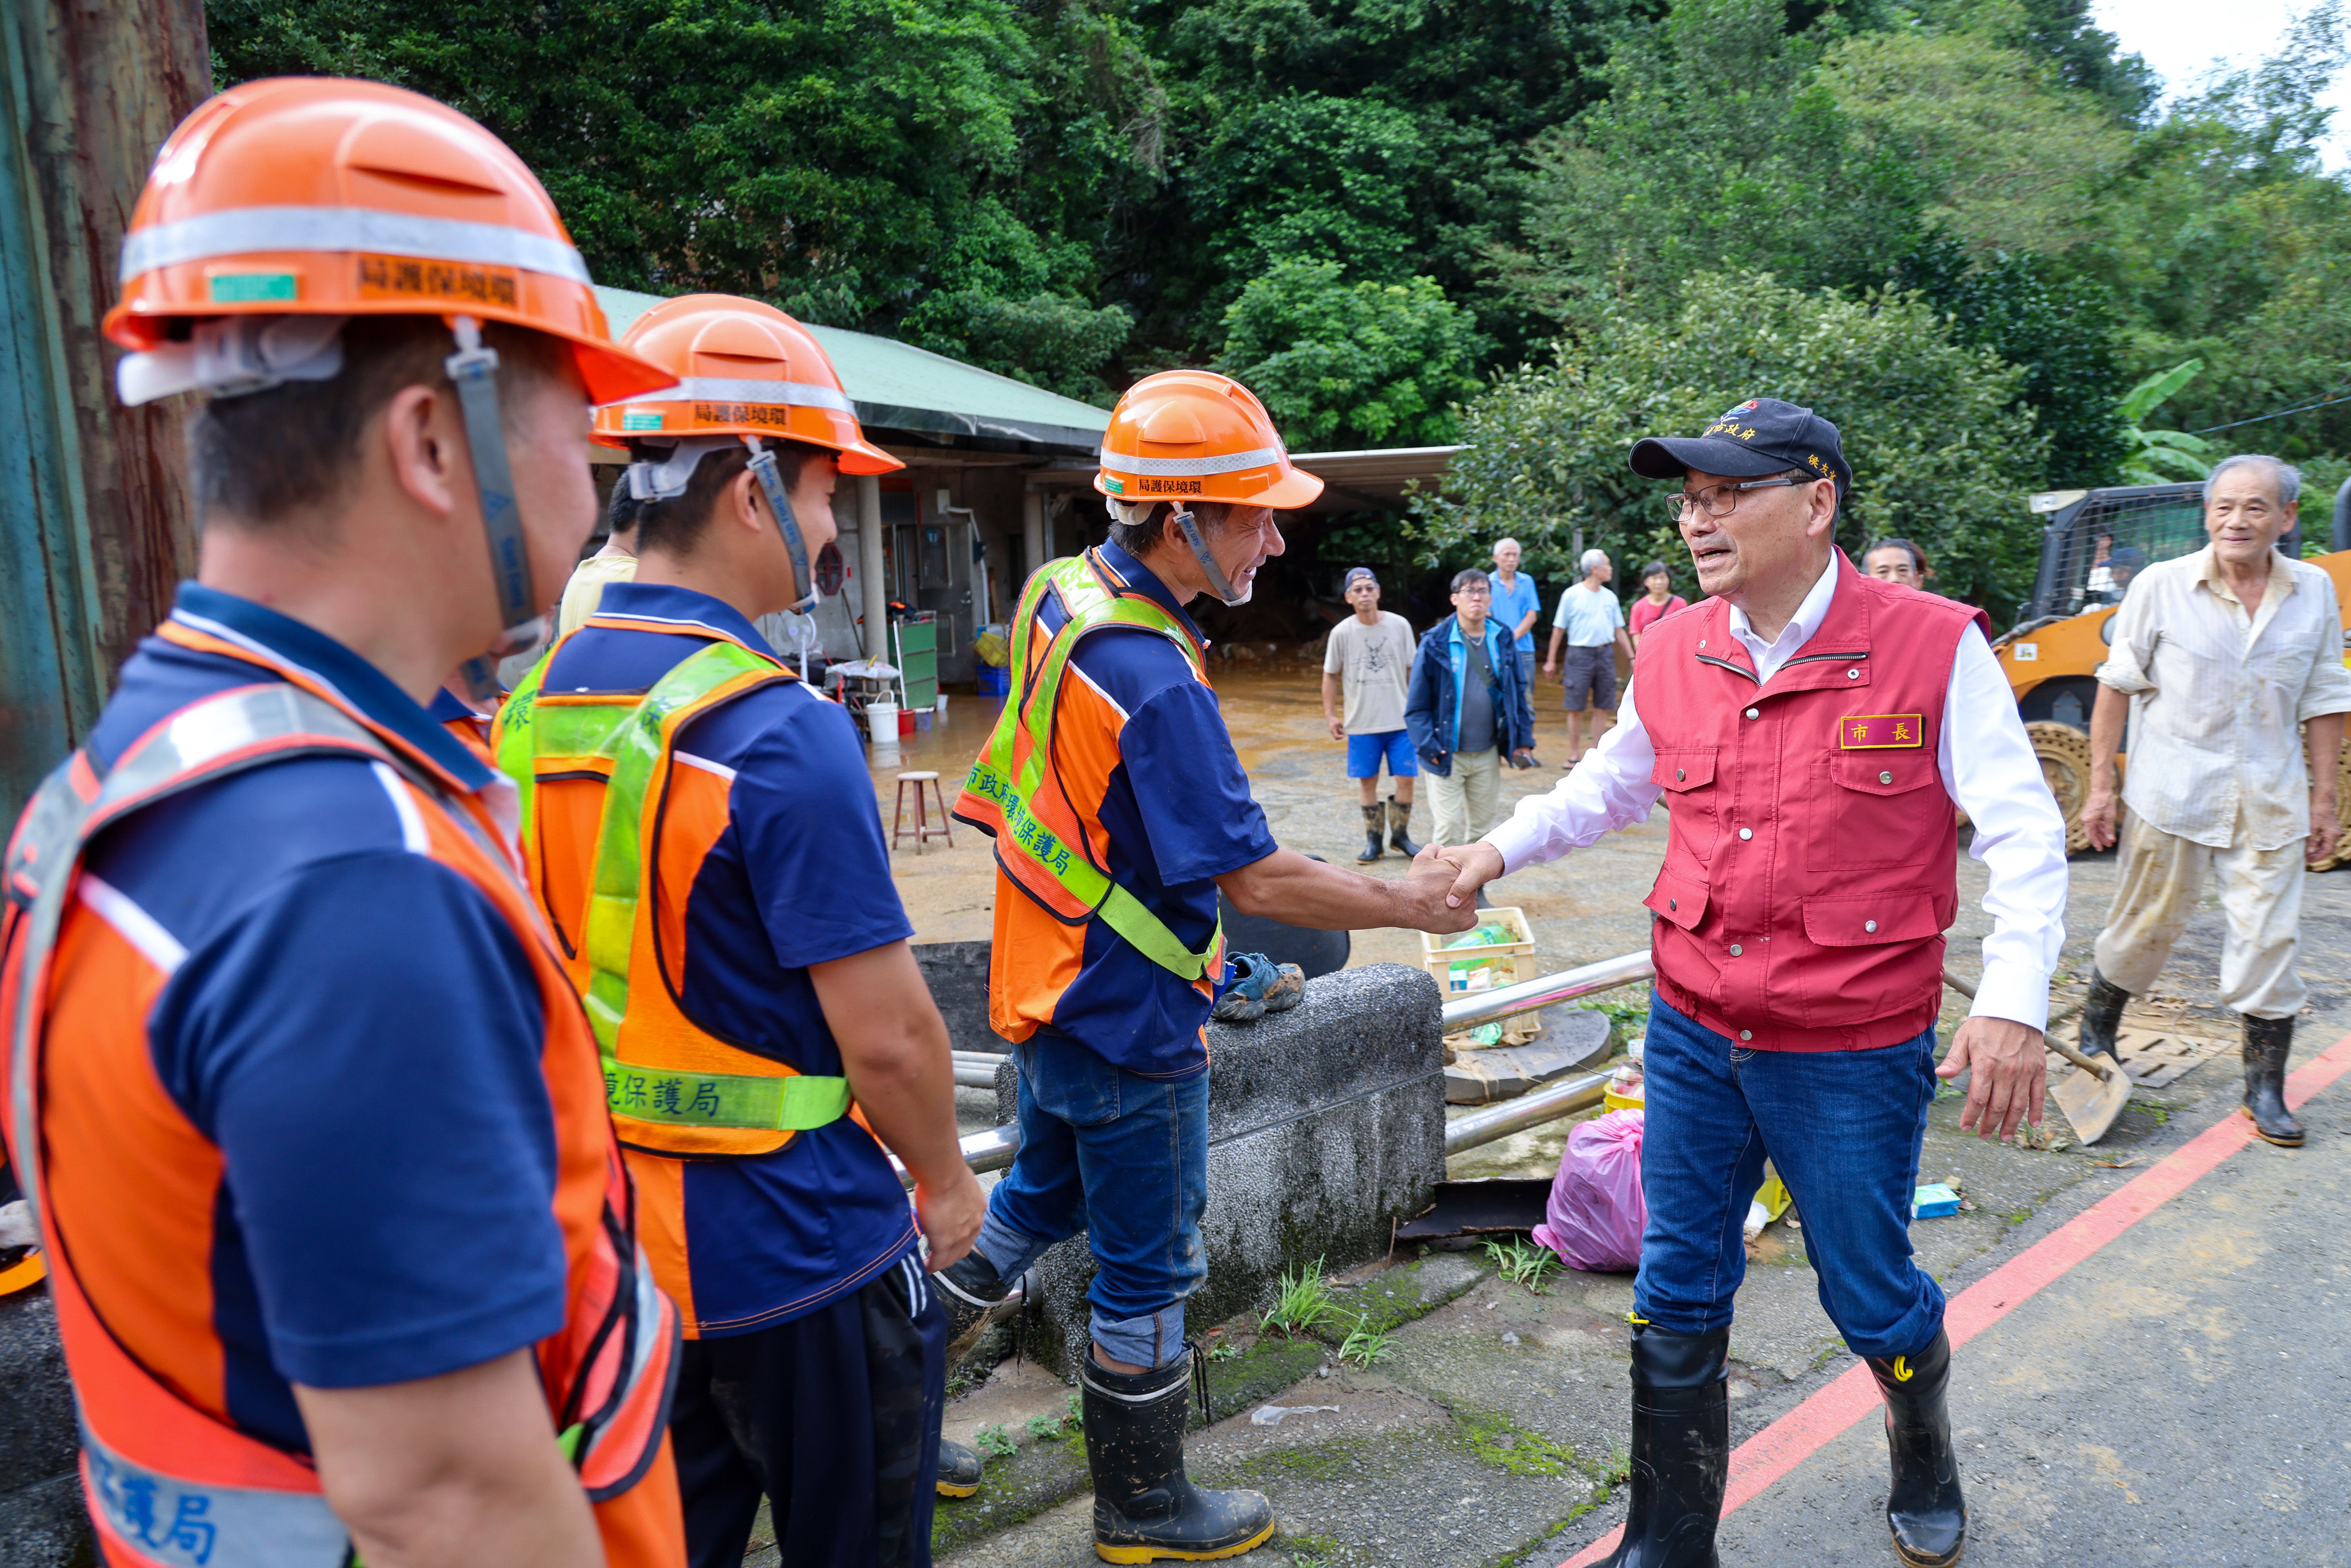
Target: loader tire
2064,754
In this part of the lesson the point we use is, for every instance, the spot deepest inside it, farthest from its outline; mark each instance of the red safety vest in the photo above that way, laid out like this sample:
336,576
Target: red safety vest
116,1172
1811,870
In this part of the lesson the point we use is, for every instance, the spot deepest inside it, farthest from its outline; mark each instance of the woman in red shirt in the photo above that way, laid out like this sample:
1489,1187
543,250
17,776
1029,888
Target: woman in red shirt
1660,601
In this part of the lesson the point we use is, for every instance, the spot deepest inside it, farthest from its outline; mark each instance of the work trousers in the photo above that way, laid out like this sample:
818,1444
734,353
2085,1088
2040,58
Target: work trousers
834,1417
1842,1128
1124,1158
2261,901
1468,802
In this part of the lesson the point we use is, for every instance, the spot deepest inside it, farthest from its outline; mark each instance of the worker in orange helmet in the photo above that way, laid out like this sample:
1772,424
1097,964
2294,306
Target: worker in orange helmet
309,1116
700,827
1119,811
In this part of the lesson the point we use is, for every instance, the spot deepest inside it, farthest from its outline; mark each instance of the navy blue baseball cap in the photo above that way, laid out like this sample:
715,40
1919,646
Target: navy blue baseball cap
1761,435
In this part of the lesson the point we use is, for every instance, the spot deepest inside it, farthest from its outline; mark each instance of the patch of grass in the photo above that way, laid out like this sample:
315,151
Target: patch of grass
1523,1263
1312,1550
1364,1344
1224,1350
1303,1305
1628,1017
2158,1111
1493,1440
992,1442
1045,1429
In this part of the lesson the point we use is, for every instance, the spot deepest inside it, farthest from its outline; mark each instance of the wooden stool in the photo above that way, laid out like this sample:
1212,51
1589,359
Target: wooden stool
922,828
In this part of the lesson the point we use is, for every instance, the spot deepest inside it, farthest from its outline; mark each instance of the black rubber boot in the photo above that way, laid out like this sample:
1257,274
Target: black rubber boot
1144,1508
959,1469
2267,1042
1374,818
1399,824
972,1294
1924,1510
2101,1015
1681,1449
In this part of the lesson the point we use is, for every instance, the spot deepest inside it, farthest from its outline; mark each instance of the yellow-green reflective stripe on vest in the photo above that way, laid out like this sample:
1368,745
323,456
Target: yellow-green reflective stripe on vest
696,1099
1031,705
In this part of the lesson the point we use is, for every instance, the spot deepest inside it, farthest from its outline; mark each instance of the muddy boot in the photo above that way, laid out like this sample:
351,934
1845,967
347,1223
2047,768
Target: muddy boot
1924,1510
2101,1015
2267,1042
1681,1449
959,1469
1399,821
973,1295
1144,1508
1374,818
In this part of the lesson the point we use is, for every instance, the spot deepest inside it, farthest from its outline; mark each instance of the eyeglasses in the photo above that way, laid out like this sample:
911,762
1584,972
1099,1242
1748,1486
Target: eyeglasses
1716,500
1479,591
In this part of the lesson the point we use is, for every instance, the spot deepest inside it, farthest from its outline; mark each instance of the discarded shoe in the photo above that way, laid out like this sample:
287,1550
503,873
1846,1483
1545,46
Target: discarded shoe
1258,986
959,1469
1374,818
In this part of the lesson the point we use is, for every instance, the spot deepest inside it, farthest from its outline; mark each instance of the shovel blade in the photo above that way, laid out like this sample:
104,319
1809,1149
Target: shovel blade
2092,1103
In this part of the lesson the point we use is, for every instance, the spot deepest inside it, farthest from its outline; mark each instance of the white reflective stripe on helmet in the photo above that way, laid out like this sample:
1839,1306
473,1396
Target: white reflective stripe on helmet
715,388
243,230
1190,467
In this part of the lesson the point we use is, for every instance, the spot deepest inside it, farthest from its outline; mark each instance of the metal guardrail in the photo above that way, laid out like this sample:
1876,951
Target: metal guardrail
993,1149
1506,1002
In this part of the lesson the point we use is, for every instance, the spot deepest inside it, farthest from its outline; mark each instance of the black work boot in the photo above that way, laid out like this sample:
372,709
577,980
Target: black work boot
959,1469
1681,1449
1399,821
1924,1510
973,1294
1144,1508
2101,1015
2267,1042
1375,818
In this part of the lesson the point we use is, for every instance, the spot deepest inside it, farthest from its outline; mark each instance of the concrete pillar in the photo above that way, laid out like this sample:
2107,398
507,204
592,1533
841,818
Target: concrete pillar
99,526
1032,536
873,588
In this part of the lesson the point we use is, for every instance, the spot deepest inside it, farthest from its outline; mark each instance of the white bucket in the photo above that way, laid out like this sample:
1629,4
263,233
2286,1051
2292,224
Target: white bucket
881,723
940,712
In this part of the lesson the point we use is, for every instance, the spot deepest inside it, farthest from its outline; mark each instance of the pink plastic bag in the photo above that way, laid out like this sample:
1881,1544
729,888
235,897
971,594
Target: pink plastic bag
1596,1211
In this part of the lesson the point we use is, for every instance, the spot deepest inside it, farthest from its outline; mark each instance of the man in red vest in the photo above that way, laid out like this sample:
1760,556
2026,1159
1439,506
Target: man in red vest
1814,730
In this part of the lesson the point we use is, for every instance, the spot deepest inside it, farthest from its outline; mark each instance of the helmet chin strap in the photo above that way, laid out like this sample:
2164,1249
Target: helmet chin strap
475,370
1218,583
771,485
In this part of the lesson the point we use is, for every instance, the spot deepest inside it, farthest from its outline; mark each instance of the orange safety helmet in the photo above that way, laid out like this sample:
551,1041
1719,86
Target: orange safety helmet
740,368
282,207
323,196
1195,435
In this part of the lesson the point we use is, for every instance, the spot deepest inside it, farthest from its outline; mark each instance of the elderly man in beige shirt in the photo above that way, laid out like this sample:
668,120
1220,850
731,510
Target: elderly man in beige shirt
2219,656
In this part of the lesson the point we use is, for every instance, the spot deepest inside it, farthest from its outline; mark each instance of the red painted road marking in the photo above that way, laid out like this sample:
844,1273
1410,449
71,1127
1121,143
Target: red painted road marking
1803,1432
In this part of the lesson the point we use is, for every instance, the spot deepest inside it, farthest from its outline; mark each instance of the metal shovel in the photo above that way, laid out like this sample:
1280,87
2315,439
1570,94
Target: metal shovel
2092,1096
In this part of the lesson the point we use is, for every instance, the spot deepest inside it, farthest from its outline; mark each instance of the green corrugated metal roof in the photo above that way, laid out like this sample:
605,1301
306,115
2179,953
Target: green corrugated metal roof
897,386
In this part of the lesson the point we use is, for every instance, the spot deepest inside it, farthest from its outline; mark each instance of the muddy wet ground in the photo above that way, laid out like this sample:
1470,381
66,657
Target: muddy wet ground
2136,1413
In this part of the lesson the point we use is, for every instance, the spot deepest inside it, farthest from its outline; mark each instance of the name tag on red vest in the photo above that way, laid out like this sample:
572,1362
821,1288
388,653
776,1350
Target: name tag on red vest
1881,731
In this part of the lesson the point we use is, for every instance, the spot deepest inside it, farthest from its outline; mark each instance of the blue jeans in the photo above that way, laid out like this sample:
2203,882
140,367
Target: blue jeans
1124,1158
1842,1128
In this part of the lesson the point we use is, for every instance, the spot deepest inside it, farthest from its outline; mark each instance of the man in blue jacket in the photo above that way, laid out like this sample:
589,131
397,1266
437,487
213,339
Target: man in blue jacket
1466,707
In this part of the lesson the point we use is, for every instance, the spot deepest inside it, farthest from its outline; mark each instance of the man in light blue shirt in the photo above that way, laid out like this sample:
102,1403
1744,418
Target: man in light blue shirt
1516,607
1592,624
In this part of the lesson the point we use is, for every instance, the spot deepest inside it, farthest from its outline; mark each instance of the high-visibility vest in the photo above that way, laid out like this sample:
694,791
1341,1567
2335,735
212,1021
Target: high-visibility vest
613,834
1015,793
170,1483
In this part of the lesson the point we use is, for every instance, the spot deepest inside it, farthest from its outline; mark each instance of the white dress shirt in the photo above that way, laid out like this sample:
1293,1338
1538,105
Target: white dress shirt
1987,766
2216,695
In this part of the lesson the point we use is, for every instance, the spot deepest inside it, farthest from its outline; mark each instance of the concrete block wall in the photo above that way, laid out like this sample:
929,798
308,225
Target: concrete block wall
41,1521
1326,1124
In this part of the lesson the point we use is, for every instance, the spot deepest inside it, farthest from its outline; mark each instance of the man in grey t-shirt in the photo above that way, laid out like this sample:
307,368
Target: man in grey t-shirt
1370,657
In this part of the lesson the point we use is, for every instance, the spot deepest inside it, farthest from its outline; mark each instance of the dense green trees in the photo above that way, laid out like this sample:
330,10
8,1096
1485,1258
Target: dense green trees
1375,209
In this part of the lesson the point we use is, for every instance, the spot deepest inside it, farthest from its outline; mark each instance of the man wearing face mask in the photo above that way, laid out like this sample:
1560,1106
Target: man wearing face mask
1814,728
1119,811
700,829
